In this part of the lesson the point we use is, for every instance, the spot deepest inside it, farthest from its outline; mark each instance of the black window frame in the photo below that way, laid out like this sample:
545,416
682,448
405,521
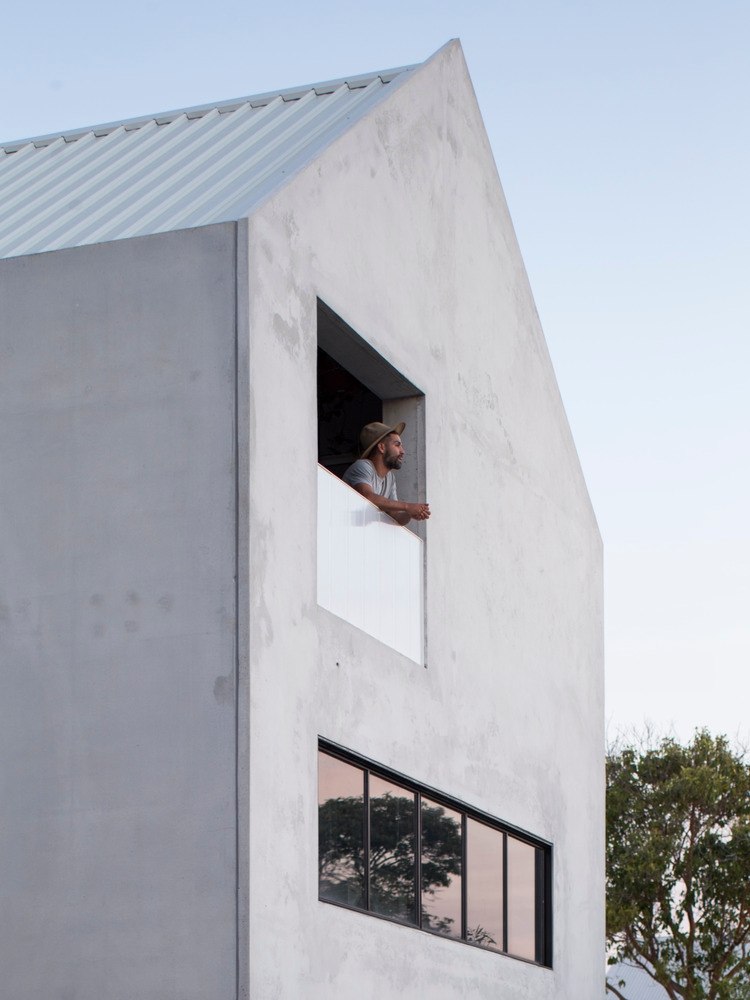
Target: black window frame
543,860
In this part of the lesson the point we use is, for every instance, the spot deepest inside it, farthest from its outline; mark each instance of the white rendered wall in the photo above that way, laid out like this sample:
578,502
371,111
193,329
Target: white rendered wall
401,227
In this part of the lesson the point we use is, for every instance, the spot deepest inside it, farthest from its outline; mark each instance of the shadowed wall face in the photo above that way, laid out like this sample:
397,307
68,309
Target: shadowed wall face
117,620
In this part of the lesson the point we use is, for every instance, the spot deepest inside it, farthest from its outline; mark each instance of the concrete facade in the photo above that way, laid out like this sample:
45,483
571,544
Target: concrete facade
117,610
508,715
159,489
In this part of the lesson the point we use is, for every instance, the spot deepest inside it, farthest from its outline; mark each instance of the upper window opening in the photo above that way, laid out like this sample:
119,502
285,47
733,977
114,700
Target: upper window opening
356,386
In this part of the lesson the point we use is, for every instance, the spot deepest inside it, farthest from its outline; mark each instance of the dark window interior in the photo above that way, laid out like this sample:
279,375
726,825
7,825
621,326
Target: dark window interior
356,386
345,405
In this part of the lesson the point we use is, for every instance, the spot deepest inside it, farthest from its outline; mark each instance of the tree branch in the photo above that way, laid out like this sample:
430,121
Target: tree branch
613,989
673,988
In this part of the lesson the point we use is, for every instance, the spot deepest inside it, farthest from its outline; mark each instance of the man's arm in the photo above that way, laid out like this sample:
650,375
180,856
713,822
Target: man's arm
399,510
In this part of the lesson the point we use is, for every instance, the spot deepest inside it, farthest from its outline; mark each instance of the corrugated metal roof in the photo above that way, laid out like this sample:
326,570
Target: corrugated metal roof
175,170
637,984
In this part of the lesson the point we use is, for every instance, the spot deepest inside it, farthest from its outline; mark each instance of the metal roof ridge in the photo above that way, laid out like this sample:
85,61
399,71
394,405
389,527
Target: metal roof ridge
256,100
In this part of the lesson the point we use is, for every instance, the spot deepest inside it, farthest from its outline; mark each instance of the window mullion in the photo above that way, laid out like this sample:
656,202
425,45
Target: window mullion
538,907
505,892
367,840
418,859
464,878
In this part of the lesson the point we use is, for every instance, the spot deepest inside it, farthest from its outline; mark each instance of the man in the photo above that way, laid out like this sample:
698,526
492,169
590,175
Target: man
372,475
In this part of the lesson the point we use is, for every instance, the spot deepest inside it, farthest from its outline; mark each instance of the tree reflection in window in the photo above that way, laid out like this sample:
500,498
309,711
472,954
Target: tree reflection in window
469,869
392,859
441,869
341,831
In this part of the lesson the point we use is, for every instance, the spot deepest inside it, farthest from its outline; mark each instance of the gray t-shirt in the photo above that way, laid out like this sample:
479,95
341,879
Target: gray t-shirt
363,471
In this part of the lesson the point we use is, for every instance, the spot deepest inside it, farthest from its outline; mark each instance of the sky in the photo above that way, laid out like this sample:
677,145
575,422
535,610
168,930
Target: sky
621,134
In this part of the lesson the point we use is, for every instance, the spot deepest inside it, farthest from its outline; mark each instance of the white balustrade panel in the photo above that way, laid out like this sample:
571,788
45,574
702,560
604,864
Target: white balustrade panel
369,568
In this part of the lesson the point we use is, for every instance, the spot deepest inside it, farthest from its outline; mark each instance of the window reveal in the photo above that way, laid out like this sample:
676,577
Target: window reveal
390,848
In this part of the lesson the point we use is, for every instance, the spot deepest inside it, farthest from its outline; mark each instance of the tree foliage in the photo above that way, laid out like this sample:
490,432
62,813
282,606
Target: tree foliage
678,866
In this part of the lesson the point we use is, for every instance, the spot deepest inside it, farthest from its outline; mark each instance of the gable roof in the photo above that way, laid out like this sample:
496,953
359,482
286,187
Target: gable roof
176,170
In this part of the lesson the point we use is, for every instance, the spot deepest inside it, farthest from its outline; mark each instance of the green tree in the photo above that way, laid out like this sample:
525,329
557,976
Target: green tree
678,866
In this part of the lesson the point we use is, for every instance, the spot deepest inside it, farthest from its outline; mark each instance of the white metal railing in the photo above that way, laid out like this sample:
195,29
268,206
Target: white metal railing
370,569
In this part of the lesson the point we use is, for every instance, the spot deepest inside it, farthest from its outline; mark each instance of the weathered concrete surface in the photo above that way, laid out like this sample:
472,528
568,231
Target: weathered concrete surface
117,621
401,227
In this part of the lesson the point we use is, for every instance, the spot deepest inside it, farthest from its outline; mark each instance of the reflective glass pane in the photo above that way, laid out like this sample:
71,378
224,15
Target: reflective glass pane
521,899
484,885
441,869
341,828
392,860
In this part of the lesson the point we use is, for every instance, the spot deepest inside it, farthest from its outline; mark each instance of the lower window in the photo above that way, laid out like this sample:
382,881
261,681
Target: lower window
392,848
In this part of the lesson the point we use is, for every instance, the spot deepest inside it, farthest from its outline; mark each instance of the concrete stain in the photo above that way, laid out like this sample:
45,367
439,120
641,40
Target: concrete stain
226,618
131,626
264,541
287,335
383,128
291,226
224,689
166,602
509,444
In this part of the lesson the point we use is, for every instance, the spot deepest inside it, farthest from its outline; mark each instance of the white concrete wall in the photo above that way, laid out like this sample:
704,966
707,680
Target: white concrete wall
401,227
117,621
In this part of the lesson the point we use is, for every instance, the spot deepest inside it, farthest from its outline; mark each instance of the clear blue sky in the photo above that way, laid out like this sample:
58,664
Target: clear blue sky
621,137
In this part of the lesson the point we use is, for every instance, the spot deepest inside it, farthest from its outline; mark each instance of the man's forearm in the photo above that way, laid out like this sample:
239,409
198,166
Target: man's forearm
397,509
400,510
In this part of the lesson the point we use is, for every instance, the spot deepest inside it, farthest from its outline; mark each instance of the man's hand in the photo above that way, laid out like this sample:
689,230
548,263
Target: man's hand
418,511
399,510
408,511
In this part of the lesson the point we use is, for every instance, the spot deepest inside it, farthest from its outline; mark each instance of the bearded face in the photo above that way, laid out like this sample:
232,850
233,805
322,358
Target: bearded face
393,452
